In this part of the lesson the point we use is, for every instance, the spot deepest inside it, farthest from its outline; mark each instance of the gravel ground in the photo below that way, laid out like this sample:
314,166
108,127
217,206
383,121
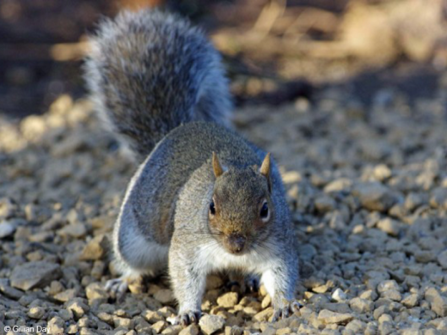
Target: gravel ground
368,191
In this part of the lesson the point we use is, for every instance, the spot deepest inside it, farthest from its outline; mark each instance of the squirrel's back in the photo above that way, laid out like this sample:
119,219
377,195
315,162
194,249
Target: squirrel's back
185,154
148,72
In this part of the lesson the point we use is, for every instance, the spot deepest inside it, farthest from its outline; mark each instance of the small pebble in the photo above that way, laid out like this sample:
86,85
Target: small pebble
328,317
228,300
338,295
36,312
210,324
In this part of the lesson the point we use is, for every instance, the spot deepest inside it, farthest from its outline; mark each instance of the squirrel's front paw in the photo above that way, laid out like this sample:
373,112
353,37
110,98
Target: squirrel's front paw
117,288
285,310
187,318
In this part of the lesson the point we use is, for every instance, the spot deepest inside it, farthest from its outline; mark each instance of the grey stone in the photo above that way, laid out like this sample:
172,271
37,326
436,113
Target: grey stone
56,326
36,312
338,295
8,291
210,324
7,228
442,259
439,198
95,249
374,196
437,301
34,274
228,300
389,226
324,203
165,296
360,305
190,330
328,317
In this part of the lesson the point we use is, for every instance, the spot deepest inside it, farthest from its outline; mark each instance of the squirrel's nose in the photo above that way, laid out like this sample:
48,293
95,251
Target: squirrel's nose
237,242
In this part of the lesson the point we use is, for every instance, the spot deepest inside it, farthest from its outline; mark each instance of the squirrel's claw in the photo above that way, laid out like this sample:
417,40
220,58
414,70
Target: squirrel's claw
244,284
185,319
252,283
117,288
286,311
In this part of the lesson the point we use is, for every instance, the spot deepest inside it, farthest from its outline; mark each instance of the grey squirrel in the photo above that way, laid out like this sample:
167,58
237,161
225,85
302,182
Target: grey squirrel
203,199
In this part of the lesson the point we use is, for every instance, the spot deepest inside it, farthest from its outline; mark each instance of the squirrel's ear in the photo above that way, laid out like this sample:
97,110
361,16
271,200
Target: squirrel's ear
265,168
217,168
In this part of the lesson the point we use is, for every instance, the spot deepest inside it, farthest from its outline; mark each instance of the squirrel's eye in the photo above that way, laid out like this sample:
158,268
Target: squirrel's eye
265,212
212,208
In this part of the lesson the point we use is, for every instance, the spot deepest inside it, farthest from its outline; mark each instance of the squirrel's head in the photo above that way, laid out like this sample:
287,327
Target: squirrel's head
241,209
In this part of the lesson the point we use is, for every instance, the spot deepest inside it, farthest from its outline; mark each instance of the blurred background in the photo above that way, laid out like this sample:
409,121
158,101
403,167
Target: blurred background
275,50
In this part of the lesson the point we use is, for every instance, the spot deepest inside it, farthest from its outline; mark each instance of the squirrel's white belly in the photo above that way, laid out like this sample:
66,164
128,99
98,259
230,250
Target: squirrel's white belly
213,257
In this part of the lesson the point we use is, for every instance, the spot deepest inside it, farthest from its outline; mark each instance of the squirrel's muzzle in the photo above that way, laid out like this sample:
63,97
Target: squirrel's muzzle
236,243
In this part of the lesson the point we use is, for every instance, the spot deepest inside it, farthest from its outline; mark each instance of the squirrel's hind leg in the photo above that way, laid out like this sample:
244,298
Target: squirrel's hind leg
134,258
117,287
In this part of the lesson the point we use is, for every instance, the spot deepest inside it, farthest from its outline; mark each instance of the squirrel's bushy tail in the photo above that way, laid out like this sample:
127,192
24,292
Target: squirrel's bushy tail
149,71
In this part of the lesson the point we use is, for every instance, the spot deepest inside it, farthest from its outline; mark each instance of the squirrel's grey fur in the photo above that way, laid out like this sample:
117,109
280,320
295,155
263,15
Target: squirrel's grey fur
149,72
201,201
